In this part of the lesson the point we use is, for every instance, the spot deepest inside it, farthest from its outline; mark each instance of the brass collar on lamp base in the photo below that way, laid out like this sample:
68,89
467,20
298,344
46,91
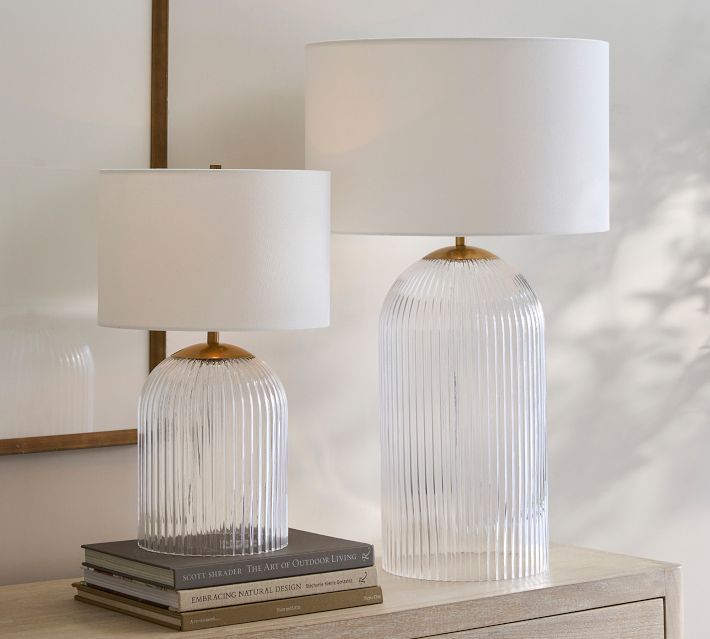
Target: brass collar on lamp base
213,350
461,252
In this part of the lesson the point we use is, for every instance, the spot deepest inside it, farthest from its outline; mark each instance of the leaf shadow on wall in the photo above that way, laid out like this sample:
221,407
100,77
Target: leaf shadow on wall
628,334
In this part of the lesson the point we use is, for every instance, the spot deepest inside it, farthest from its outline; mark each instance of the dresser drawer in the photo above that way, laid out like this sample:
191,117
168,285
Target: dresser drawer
640,620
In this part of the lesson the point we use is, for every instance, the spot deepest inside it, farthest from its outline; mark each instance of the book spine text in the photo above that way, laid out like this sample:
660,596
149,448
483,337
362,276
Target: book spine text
262,567
271,589
283,608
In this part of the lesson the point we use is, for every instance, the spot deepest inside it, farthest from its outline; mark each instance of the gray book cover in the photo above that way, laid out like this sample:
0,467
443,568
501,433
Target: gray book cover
306,553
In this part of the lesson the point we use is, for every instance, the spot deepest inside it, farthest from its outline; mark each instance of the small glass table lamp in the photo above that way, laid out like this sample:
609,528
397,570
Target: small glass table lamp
462,137
213,250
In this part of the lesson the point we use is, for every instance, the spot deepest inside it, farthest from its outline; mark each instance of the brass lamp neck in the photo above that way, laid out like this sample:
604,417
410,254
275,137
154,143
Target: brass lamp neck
213,350
460,252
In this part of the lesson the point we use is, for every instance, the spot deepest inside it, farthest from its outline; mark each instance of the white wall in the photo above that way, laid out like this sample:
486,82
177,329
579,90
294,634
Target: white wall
627,312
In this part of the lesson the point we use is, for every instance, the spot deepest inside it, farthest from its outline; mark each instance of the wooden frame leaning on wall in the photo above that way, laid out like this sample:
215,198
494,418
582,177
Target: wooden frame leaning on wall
158,160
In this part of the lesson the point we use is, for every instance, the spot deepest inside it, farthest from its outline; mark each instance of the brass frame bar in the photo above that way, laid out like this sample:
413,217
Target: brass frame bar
72,441
157,340
159,85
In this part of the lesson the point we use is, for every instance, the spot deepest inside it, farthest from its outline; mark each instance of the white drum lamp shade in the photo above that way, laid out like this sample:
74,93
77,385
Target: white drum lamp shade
478,136
213,250
462,137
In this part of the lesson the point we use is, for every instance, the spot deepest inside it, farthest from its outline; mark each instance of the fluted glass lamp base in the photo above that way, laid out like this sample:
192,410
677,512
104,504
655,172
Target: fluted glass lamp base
212,455
462,411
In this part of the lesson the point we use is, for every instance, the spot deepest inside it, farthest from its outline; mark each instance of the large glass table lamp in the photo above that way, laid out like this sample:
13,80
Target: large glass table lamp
462,137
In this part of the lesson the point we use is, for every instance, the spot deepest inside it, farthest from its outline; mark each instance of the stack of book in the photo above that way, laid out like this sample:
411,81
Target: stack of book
314,573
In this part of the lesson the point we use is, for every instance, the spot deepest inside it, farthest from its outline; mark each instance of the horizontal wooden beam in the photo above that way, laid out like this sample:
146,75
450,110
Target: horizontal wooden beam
46,443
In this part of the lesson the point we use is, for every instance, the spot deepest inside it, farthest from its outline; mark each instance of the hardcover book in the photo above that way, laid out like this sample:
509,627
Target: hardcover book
198,620
307,553
232,595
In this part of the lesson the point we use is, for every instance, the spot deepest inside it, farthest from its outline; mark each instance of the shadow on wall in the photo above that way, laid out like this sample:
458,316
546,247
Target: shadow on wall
628,346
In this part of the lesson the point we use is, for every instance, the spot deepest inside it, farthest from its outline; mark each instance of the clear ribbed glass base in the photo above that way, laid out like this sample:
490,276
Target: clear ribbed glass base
212,458
462,384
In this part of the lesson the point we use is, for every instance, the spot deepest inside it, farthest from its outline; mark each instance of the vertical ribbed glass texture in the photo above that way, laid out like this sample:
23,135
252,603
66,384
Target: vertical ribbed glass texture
462,411
212,458
47,379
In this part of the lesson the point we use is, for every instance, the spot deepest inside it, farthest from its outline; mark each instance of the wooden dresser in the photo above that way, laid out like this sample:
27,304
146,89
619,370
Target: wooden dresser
587,594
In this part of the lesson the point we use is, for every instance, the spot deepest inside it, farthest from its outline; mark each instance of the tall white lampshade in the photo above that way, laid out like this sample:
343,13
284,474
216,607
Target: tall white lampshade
462,137
213,250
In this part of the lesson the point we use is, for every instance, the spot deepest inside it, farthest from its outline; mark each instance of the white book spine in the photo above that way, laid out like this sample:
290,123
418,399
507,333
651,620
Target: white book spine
255,591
